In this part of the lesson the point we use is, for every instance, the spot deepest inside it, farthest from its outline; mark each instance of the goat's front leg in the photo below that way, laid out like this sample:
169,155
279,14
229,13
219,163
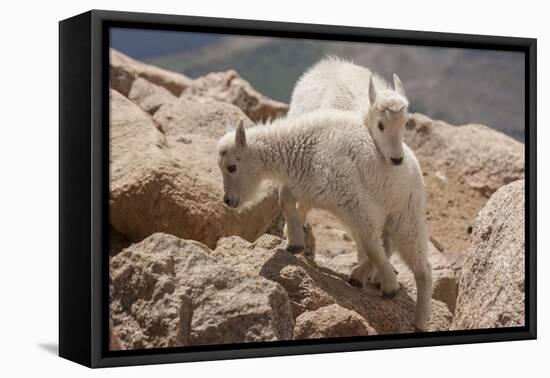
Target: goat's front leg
302,211
294,224
389,248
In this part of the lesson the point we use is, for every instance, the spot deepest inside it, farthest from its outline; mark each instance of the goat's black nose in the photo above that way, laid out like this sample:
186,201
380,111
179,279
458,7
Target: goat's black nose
226,200
396,161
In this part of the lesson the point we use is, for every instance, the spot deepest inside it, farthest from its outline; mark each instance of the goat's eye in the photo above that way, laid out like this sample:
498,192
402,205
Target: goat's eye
380,126
231,168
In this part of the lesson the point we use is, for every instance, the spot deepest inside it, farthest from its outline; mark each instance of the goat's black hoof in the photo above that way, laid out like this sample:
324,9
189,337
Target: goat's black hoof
295,249
355,283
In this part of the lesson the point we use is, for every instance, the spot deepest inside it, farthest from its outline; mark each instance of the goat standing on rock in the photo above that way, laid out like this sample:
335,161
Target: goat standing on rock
366,177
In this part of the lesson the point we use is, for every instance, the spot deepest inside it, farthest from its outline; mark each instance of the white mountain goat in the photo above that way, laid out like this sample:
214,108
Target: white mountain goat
337,84
327,159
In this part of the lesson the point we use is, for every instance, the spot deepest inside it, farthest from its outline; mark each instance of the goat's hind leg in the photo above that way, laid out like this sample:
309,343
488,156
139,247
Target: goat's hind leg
294,224
303,209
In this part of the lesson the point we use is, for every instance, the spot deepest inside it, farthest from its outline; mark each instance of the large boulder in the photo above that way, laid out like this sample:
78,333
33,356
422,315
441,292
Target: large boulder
485,158
171,183
199,117
168,292
227,87
137,146
117,241
231,88
311,288
331,321
123,71
462,167
492,285
148,96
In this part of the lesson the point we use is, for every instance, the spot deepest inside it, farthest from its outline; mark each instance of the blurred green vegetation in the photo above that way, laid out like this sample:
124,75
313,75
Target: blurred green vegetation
272,68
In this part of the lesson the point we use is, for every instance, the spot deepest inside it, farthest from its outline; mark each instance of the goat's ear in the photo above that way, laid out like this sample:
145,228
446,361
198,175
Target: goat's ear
411,124
372,91
240,134
398,85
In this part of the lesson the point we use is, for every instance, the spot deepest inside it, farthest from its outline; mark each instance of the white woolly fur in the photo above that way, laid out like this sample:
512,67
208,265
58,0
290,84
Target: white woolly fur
327,159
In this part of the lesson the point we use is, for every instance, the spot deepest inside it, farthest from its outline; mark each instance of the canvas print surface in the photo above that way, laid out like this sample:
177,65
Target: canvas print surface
266,189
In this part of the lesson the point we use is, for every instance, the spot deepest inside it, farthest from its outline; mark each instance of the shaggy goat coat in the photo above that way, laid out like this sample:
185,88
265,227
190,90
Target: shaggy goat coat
334,84
397,191
327,159
341,149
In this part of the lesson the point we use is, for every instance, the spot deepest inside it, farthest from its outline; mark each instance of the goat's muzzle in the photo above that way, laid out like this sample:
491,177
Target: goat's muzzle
231,202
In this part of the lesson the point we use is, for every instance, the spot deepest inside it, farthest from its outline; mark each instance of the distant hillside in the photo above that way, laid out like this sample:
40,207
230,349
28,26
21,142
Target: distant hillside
457,85
143,44
272,66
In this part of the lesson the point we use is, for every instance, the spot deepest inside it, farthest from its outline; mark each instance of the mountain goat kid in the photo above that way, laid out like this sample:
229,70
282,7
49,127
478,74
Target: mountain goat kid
327,159
333,83
337,84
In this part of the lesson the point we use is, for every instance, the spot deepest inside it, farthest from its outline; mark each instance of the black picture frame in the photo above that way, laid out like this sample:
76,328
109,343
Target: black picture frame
84,187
